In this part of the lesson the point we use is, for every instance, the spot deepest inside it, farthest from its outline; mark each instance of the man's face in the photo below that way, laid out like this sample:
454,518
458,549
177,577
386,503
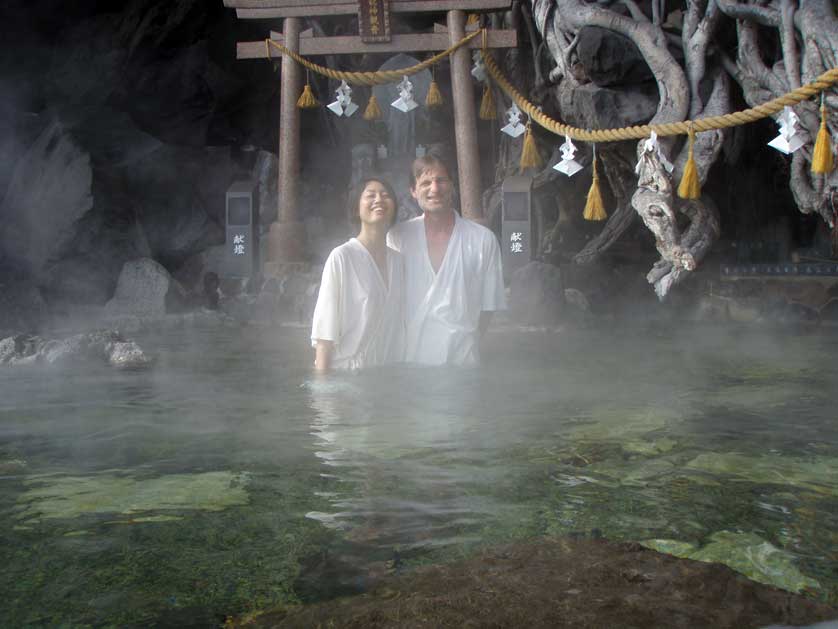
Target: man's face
433,190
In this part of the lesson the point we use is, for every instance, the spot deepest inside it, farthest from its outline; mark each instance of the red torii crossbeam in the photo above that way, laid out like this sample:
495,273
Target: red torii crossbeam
287,235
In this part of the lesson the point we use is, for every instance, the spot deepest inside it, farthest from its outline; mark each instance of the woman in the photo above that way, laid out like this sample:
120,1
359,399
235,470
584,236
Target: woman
358,319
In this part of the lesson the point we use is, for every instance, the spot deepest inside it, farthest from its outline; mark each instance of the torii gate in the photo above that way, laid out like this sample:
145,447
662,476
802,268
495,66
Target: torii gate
287,234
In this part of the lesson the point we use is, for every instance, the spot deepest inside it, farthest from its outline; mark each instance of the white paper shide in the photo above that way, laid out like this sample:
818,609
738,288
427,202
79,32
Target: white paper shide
405,100
788,141
653,146
568,165
343,105
478,71
513,127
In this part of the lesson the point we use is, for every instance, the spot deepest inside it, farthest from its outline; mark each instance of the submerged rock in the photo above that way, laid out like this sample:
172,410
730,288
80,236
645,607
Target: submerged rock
746,553
819,474
559,582
61,497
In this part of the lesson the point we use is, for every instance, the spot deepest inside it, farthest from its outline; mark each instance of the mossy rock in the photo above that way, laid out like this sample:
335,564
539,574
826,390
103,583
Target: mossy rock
819,474
58,497
746,553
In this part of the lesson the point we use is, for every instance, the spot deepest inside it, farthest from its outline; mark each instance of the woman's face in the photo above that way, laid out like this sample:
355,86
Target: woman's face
376,205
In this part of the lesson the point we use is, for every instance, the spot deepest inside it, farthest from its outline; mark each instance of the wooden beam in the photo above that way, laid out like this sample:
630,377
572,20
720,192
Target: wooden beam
282,4
440,5
351,8
442,28
352,44
278,37
266,14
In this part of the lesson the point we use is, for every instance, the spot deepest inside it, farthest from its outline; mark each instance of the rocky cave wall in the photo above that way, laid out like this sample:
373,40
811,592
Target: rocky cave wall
122,126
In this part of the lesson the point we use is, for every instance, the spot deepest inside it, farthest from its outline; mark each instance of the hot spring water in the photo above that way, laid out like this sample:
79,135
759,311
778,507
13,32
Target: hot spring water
229,477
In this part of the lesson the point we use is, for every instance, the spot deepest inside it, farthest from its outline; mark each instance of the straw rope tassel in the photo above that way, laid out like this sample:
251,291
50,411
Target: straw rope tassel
690,186
822,162
530,157
487,105
594,207
434,97
373,111
306,99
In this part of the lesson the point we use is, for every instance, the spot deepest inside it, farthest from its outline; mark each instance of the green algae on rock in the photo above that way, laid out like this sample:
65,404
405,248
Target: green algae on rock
819,474
614,423
57,497
746,553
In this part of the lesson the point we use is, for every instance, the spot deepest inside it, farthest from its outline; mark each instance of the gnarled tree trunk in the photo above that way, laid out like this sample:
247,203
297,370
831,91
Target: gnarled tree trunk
695,84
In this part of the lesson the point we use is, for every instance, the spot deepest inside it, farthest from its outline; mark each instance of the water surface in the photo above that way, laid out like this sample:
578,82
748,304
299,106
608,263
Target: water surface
230,478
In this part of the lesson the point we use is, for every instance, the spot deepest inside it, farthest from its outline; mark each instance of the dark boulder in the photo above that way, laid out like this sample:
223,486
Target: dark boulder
536,295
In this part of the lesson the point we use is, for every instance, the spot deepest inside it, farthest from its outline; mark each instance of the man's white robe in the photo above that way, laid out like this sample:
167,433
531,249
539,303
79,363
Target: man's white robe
358,311
443,309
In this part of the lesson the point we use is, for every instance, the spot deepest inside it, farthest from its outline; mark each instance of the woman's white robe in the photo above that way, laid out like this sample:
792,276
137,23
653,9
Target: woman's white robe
356,310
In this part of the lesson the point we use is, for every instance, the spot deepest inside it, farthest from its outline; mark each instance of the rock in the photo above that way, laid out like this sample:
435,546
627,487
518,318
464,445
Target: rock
192,272
21,349
141,290
184,214
746,553
82,280
577,299
22,307
127,355
69,215
113,140
173,98
560,582
49,192
7,350
829,624
106,346
535,294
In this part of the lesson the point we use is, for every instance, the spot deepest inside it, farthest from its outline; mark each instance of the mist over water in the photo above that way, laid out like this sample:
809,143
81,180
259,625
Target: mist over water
230,476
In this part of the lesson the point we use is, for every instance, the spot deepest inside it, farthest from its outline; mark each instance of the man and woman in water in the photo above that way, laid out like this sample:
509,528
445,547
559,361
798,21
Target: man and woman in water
422,291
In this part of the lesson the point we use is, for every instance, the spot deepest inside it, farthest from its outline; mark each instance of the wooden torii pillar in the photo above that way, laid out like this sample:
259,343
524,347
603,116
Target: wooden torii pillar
287,235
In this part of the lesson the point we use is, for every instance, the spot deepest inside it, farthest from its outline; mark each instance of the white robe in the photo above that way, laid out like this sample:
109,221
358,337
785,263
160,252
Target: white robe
356,310
443,309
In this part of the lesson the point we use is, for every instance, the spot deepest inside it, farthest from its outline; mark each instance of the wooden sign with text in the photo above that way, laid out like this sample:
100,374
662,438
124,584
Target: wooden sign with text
374,20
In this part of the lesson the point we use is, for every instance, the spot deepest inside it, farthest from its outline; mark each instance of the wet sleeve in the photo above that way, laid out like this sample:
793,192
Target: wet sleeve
326,323
494,296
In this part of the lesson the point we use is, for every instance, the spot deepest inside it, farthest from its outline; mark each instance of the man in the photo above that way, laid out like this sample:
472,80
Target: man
453,276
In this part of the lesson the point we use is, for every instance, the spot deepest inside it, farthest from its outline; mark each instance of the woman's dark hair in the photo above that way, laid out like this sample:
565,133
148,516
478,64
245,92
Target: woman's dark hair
355,198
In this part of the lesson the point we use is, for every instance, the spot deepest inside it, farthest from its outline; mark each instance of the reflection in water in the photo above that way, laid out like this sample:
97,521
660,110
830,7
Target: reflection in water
386,454
222,477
